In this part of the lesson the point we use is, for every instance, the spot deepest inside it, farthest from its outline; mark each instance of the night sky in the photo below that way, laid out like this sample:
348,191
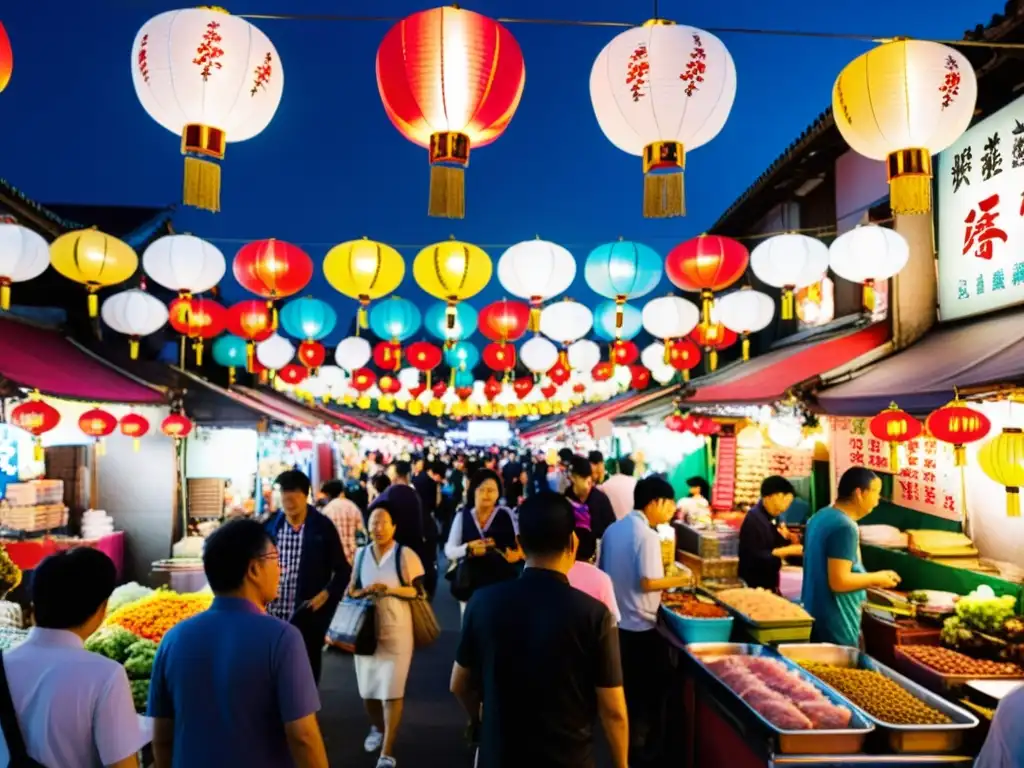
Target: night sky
331,167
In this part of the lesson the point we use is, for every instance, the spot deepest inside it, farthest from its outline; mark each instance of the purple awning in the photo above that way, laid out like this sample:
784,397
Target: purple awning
921,378
36,358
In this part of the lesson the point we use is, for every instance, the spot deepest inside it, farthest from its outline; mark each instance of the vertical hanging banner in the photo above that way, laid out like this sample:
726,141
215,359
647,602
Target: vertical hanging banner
928,480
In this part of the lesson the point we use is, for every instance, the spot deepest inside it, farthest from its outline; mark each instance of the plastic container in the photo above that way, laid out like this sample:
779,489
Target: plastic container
694,630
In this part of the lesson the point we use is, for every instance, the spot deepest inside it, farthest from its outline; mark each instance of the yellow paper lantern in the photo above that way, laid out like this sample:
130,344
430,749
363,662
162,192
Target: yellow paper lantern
1002,459
95,259
435,408
364,402
415,408
452,271
364,270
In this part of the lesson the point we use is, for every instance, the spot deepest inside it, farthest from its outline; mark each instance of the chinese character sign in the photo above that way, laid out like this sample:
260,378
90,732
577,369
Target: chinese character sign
980,224
928,480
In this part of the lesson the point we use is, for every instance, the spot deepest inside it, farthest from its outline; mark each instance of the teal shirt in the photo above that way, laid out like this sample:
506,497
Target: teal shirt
831,534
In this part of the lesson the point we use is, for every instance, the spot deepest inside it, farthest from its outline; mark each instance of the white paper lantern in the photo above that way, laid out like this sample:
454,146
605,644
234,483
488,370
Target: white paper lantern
184,263
335,378
409,377
670,317
901,103
866,254
538,354
745,312
660,91
353,352
566,321
652,357
275,353
135,314
24,255
536,270
211,79
790,262
583,355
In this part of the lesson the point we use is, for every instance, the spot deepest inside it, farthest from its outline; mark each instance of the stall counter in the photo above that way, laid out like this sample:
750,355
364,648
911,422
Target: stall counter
28,553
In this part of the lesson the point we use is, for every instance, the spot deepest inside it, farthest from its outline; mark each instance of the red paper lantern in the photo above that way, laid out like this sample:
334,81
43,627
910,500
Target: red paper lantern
463,393
559,372
492,388
713,337
418,390
603,371
700,425
387,355
35,417
640,377
499,357
706,264
177,426
624,352
198,319
312,354
450,80
895,426
675,423
683,355
439,389
97,423
253,321
579,388
549,391
134,426
293,374
389,385
522,386
959,424
424,357
363,379
6,58
272,269
504,320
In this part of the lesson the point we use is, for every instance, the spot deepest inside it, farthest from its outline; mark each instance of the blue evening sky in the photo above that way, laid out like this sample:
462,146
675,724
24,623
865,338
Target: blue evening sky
331,167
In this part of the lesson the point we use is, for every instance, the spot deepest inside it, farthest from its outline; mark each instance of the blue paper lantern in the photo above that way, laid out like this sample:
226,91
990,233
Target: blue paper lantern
395,319
462,356
622,270
230,351
308,319
463,379
607,326
436,322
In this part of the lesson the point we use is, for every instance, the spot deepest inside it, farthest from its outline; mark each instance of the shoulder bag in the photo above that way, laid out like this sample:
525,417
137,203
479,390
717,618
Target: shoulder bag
9,724
354,626
425,629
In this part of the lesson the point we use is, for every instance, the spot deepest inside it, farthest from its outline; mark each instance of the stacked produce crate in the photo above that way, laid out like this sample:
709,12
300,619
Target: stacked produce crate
34,507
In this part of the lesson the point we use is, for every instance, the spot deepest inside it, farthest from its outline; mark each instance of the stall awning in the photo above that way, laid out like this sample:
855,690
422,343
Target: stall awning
276,407
37,358
768,377
984,353
209,404
591,412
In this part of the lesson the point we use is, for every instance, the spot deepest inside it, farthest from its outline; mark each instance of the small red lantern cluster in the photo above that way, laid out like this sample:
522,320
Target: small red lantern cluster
958,424
895,426
703,426
177,426
252,321
37,418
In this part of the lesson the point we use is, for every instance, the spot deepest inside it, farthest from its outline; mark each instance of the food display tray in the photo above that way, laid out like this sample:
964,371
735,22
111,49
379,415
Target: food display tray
935,680
766,632
813,742
902,738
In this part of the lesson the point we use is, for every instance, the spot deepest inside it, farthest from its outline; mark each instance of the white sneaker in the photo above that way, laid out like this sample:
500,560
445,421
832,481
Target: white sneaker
373,740
386,762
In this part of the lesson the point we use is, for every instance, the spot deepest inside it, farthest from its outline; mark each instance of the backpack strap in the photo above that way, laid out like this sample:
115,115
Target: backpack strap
9,720
359,566
398,564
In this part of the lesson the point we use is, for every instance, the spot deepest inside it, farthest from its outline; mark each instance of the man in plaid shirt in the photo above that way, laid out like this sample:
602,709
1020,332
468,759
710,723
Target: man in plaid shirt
346,516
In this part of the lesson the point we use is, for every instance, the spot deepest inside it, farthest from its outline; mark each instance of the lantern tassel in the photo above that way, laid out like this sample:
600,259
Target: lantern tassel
894,457
136,444
198,348
667,358
37,450
447,192
868,295
273,314
910,195
664,196
202,184
133,348
364,318
250,356
705,305
428,379
686,375
231,375
450,314
746,347
787,303
5,295
619,313
181,353
101,449
714,359
93,303
959,455
534,318
1012,502
264,377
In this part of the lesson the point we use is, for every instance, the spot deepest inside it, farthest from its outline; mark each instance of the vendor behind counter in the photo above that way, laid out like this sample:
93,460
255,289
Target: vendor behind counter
764,541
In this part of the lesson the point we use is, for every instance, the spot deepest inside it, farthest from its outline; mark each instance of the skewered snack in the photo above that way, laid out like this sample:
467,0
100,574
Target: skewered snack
950,662
762,605
877,695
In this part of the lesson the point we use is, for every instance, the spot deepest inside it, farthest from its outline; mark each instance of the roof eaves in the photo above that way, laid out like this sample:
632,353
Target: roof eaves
58,224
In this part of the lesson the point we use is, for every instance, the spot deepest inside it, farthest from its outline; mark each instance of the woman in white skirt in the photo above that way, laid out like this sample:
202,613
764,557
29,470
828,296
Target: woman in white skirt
389,573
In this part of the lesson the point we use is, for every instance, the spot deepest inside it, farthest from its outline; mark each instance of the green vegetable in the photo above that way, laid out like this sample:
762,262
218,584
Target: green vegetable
917,597
985,614
141,646
112,642
140,694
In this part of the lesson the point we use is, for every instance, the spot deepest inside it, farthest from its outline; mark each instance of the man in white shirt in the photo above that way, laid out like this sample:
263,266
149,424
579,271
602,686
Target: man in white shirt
631,556
74,707
1004,746
620,486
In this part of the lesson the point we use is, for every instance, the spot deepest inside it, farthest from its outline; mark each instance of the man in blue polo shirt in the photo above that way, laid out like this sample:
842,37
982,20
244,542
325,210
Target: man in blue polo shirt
233,686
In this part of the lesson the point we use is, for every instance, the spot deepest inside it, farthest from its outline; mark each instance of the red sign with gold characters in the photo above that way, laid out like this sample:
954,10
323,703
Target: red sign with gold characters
928,480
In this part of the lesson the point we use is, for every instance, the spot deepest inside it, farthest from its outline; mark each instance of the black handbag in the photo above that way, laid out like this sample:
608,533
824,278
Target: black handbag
9,725
354,626
460,575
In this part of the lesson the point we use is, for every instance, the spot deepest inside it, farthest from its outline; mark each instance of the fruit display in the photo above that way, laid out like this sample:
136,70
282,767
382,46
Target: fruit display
984,611
779,694
151,617
760,605
691,606
953,663
883,699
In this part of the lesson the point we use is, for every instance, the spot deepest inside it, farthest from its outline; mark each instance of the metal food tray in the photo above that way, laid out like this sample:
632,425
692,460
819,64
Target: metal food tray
935,680
767,631
811,742
902,738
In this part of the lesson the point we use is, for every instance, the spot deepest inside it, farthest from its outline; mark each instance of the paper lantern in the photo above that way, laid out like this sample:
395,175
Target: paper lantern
97,423
660,91
199,320
603,371
522,386
684,356
251,320
311,354
6,58
492,388
560,373
789,262
94,259
435,322
1002,459
653,357
895,426
395,320
363,379
293,374
958,424
640,377
536,270
210,78
134,313
624,353
463,356
353,352
583,355
389,385
705,265
501,357
450,80
275,352
622,271
614,321
866,254
35,417
452,271
184,263
538,354
744,312
229,351
566,321
901,103
272,269
674,422
308,319
669,317
387,356
703,426
364,270
424,357
24,254
713,337
177,426
134,426
504,320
